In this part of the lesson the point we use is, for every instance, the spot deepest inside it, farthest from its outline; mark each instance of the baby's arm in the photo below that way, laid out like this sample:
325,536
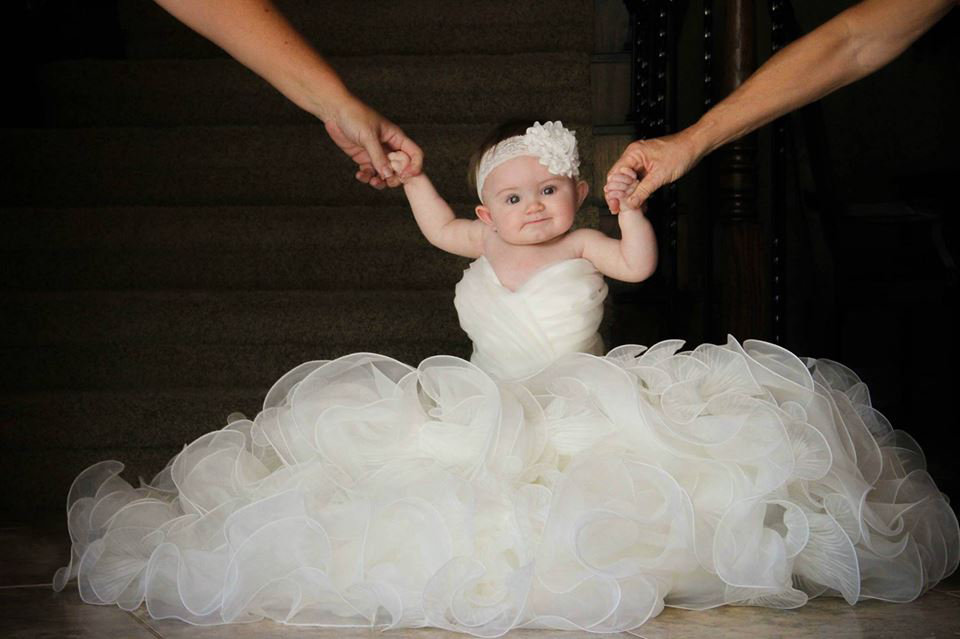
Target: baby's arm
435,217
633,258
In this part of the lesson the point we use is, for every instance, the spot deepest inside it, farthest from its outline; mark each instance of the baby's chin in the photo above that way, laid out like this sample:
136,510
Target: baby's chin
530,236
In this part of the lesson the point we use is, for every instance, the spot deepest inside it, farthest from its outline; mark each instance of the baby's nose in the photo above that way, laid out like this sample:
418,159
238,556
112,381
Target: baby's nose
535,207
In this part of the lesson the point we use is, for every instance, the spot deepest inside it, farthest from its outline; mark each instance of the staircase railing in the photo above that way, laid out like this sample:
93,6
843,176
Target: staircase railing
748,186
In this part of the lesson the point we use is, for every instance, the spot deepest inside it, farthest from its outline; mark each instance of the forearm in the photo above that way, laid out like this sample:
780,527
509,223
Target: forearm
638,244
844,49
431,211
260,37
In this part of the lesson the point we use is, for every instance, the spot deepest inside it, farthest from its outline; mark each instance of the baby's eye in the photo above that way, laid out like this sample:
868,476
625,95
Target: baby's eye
513,199
549,190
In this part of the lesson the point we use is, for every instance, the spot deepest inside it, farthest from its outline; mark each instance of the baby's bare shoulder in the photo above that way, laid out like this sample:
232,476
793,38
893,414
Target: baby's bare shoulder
580,238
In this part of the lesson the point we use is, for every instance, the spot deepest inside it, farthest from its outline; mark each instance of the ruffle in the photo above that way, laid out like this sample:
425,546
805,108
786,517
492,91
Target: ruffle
588,495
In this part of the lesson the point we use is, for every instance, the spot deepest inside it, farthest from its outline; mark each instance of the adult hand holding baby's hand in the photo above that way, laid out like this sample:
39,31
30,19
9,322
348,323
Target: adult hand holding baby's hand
620,187
367,137
400,164
654,163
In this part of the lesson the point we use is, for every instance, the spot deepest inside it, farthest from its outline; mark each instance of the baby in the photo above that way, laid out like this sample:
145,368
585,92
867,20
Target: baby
527,179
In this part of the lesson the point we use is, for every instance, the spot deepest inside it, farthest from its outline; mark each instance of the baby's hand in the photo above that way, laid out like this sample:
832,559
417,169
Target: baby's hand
399,161
620,186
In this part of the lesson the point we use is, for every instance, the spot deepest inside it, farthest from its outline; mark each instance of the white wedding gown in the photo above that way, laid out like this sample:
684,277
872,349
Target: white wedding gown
540,486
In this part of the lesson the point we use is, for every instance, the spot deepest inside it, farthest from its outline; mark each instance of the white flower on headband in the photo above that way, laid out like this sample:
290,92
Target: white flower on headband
552,143
556,146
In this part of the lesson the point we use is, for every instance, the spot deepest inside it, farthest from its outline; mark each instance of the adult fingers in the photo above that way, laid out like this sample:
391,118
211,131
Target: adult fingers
365,173
644,189
394,138
633,159
416,157
378,158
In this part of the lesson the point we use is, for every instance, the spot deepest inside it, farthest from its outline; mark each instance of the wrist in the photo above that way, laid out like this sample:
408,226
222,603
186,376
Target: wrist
332,97
627,217
416,182
700,138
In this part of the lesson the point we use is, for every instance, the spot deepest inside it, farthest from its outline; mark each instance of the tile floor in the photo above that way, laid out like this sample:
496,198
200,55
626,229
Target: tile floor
29,555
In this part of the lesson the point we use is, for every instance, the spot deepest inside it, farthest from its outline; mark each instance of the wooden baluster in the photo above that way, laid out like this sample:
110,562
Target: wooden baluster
655,40
740,276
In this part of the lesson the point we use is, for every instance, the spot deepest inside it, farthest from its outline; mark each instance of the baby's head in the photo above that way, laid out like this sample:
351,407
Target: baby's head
527,177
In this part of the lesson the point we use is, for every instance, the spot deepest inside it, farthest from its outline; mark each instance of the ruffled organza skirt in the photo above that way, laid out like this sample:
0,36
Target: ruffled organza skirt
588,496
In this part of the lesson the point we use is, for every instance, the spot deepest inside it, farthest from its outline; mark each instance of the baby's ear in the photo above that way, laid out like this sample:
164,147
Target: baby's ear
483,214
582,189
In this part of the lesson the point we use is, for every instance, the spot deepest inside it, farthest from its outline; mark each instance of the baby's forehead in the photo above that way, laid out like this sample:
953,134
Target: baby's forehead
524,169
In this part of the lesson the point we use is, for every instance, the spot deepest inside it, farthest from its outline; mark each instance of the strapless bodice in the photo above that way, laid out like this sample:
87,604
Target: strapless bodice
516,333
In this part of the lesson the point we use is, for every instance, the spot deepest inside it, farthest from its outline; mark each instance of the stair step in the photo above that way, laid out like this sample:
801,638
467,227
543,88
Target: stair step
345,268
230,317
430,88
46,475
270,228
148,340
240,248
147,367
158,418
217,165
235,248
366,27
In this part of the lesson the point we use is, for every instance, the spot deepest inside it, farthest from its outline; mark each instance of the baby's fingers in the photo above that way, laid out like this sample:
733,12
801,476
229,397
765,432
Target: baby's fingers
398,160
618,182
616,186
614,198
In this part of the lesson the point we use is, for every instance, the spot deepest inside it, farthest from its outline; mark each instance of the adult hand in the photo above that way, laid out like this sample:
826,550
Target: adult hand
657,162
366,137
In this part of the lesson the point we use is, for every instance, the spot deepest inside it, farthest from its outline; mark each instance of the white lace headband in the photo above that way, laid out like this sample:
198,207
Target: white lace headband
554,144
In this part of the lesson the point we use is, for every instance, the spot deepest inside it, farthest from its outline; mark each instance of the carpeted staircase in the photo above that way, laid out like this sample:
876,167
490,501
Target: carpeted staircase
177,235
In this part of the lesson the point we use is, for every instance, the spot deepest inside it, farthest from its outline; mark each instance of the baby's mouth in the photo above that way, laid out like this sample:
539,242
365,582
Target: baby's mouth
542,219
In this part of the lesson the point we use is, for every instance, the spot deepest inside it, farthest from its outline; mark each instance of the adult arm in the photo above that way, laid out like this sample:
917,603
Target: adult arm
261,38
844,49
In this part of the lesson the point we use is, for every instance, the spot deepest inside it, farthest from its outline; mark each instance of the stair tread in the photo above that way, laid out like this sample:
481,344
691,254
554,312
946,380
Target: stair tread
111,418
341,268
284,164
229,228
155,367
49,474
345,27
222,317
414,88
235,248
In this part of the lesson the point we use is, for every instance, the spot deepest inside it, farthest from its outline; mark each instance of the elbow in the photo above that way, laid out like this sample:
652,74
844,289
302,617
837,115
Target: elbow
433,240
641,271
865,47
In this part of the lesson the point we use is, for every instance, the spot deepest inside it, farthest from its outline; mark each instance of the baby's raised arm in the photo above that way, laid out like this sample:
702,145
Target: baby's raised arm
633,258
434,216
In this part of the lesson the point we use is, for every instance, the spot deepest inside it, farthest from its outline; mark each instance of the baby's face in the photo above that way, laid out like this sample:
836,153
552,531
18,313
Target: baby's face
526,204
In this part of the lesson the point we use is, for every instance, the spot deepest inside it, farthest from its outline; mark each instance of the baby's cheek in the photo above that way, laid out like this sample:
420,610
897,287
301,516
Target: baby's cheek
567,218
